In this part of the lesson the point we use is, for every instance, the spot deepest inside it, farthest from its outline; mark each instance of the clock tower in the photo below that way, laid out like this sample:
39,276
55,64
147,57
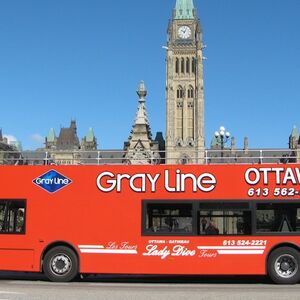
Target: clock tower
184,87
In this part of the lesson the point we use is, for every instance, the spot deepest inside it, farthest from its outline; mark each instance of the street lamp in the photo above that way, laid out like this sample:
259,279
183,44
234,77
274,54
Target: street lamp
222,137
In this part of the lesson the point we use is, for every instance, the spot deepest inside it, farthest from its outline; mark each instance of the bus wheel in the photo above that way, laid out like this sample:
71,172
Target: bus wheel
60,264
283,265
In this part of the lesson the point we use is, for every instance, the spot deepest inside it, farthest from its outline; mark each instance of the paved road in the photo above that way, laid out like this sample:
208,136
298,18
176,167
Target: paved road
31,287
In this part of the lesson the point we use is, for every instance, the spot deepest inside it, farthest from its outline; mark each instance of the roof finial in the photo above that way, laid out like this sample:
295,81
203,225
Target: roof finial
142,92
141,115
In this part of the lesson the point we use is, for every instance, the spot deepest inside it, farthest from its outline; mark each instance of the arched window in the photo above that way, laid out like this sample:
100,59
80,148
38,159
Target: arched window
187,66
191,92
177,65
180,92
182,65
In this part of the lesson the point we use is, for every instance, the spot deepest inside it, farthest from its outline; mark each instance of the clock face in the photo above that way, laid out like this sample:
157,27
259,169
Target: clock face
184,32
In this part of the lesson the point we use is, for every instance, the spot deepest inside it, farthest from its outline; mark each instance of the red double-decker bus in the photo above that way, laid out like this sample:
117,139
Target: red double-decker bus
196,219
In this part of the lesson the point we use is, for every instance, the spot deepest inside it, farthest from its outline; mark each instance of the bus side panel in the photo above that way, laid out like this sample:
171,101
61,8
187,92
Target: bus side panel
170,258
16,260
163,255
109,264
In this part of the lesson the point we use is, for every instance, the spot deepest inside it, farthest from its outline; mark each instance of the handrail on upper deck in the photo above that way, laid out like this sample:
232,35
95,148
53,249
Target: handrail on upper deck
120,157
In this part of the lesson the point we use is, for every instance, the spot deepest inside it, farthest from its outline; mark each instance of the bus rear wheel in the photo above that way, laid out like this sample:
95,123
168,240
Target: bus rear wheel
283,265
60,264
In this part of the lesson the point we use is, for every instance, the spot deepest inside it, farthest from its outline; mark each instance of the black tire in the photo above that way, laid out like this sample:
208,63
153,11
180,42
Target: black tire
60,264
284,265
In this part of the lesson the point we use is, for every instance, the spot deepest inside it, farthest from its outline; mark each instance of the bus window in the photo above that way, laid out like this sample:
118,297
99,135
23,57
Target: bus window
168,218
2,215
278,217
12,216
224,219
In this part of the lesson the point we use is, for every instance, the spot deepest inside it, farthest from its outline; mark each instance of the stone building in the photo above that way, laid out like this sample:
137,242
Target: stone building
66,148
185,95
9,154
67,139
294,144
140,147
51,140
89,142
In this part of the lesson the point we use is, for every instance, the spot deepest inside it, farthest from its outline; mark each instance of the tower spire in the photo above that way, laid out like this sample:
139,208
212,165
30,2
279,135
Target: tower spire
141,115
184,9
140,148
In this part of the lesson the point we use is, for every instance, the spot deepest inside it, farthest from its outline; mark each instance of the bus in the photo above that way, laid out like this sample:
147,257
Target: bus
161,220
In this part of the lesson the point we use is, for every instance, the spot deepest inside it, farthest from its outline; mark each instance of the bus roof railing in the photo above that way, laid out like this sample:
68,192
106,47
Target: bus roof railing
121,157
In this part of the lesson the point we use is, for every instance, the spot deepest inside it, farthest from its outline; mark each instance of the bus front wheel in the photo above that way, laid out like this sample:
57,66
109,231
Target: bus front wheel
283,265
60,264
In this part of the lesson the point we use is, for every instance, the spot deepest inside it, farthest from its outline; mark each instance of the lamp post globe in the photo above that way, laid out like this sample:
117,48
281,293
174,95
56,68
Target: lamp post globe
222,136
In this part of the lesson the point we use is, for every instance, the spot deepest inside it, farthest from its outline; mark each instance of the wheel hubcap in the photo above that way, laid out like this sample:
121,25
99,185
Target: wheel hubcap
286,266
61,264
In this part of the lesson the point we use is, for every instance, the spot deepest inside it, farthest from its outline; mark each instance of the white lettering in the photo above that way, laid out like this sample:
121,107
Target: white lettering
163,253
180,250
289,176
206,182
62,181
119,181
167,185
188,176
279,175
142,186
278,172
108,181
153,181
248,176
265,172
140,183
152,250
206,254
298,174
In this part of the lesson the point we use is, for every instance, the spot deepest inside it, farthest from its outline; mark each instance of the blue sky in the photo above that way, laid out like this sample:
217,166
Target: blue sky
83,60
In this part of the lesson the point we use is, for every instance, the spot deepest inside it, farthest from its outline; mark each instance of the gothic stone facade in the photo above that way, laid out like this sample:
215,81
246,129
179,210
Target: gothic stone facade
66,148
185,96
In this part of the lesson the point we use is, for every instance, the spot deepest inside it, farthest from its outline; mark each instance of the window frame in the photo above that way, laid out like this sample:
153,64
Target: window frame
177,67
182,67
273,233
7,203
180,95
222,207
146,232
252,208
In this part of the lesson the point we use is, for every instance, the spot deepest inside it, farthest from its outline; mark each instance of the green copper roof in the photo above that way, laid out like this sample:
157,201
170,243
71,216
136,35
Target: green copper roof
51,135
184,9
90,135
214,142
295,133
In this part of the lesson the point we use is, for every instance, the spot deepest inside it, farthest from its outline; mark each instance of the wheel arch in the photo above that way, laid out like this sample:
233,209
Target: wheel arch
280,245
57,244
